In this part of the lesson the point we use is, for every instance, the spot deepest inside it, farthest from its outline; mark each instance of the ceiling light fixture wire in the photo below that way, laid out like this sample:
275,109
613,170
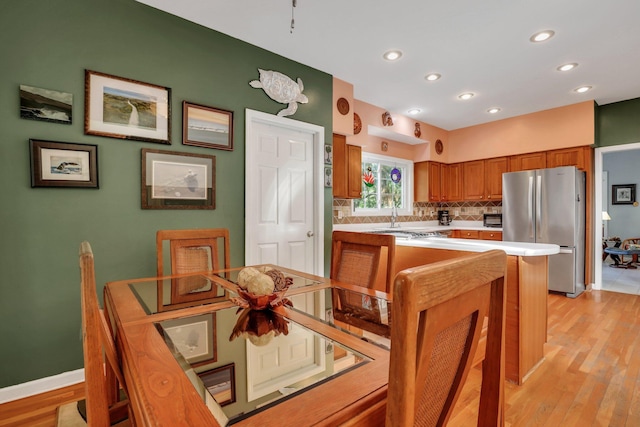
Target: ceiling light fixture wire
294,3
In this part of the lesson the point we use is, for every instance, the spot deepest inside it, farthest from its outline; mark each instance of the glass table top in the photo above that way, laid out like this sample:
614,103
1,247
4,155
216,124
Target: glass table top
242,361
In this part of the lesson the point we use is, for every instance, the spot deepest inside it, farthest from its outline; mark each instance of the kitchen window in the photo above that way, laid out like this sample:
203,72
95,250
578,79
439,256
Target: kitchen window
387,182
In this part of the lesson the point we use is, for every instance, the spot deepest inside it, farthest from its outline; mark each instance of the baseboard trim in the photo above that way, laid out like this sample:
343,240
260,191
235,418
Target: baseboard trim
41,385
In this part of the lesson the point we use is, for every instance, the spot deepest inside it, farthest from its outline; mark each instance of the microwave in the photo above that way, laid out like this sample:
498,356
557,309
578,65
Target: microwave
492,220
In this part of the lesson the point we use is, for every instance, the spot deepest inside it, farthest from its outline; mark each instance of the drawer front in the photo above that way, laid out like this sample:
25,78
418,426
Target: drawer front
491,235
469,234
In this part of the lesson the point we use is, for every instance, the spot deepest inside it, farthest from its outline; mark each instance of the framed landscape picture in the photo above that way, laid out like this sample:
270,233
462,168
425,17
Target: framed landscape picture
63,164
207,126
127,109
172,180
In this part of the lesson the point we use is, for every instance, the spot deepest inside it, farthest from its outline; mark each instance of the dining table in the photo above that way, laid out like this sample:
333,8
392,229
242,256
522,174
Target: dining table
195,350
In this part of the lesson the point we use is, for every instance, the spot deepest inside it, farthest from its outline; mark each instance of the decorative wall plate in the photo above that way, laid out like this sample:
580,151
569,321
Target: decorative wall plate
439,146
357,124
343,106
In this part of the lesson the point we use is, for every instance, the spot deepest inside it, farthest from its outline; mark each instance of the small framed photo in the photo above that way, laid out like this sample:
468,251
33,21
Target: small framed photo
207,126
623,194
172,180
328,176
127,109
328,154
63,164
221,383
194,337
45,104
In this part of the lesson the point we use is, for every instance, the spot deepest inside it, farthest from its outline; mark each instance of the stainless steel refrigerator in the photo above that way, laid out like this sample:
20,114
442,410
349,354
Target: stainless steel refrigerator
548,206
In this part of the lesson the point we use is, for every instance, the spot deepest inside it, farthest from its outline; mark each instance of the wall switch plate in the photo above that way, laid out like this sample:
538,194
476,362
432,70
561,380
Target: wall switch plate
339,214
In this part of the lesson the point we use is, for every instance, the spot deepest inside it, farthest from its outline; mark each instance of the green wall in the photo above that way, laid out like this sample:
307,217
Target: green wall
618,123
49,44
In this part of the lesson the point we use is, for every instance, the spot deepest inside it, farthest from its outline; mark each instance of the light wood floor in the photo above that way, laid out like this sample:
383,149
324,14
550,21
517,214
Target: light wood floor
590,376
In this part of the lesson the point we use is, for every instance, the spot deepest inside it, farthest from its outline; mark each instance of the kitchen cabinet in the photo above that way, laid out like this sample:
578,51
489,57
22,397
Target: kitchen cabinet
494,168
468,234
427,182
473,178
347,169
529,161
452,182
576,156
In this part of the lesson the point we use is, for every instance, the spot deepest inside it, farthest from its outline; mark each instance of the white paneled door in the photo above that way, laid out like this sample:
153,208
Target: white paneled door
283,199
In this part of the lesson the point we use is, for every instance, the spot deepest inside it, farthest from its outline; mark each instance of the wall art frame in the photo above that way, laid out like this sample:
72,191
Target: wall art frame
63,164
194,337
623,194
175,180
123,108
221,383
207,127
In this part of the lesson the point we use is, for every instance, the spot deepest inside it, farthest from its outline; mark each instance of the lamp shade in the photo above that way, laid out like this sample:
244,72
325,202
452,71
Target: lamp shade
605,216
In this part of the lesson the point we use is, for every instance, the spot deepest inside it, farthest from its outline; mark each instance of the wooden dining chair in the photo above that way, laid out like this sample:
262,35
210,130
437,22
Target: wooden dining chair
193,250
102,408
439,311
355,258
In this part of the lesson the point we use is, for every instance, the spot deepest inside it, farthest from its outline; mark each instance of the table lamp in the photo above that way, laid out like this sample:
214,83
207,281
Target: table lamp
605,217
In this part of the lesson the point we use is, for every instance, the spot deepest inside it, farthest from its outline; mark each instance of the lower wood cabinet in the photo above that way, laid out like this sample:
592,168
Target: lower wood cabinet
490,235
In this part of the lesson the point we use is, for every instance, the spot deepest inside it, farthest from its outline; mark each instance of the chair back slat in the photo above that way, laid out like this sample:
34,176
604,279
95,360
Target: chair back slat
194,250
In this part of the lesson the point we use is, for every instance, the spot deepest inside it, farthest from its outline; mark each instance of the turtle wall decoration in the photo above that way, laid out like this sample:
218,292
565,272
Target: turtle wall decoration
281,89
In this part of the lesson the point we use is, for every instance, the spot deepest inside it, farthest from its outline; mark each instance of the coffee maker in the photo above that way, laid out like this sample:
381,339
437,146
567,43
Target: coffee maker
443,217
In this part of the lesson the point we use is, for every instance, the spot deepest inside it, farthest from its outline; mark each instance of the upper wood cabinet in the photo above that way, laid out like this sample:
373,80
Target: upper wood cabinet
347,169
576,156
529,161
494,168
437,182
452,182
473,178
426,182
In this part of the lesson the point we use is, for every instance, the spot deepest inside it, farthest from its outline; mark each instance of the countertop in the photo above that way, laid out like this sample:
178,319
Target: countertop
511,248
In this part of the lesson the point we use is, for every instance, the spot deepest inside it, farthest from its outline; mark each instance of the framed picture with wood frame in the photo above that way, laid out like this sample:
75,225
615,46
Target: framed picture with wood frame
63,164
207,127
173,180
127,109
221,383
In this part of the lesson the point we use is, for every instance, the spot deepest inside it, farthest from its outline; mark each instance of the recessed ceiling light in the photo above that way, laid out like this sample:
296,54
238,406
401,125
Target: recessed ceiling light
466,95
493,110
542,36
567,67
414,111
583,89
392,55
432,77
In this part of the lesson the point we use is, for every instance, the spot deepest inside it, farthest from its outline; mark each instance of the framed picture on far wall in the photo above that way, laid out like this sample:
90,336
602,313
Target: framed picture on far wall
624,194
127,109
172,180
45,104
207,126
63,164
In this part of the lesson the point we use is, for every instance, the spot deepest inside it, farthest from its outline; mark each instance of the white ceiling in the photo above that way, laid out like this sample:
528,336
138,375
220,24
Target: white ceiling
481,46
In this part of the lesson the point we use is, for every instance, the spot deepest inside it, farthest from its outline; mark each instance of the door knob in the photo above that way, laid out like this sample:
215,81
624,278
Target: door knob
309,233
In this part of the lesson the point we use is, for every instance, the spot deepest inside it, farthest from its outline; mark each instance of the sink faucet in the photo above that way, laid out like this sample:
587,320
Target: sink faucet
394,216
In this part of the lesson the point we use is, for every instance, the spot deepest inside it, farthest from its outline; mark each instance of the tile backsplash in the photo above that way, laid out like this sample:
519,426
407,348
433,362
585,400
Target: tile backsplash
461,211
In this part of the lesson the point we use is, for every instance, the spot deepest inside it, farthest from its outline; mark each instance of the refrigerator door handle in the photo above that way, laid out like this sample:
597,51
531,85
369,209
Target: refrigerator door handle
530,210
538,209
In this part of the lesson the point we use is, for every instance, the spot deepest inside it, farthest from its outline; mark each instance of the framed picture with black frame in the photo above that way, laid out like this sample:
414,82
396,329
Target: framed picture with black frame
623,194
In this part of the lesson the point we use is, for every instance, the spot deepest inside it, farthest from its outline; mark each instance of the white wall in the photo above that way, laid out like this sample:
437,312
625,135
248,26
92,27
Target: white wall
623,168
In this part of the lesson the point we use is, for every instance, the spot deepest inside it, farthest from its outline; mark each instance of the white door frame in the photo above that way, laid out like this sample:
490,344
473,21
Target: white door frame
252,117
597,245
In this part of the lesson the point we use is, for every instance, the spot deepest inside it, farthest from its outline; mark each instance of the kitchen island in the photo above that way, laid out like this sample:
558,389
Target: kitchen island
527,285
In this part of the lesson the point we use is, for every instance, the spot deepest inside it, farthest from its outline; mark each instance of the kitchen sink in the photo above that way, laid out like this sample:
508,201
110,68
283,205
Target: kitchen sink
407,234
